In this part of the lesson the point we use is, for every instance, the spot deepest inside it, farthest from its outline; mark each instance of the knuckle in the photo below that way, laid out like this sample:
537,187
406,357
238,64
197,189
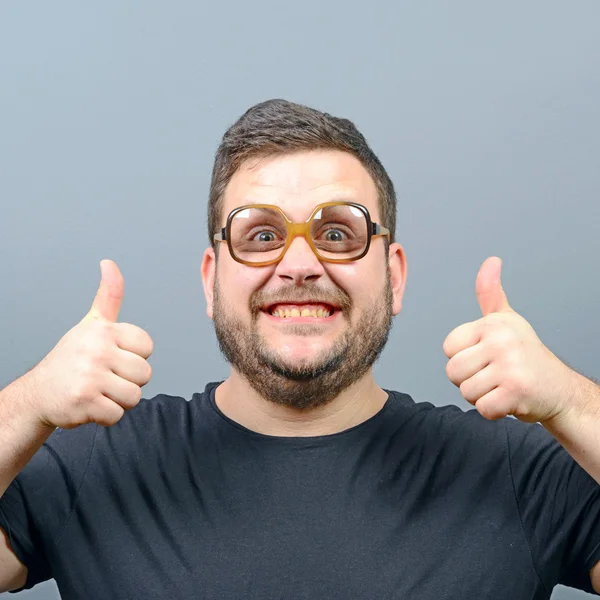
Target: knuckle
102,330
451,370
86,390
109,415
446,346
140,372
131,396
95,349
514,362
503,335
130,401
143,339
144,342
149,345
98,357
137,394
135,339
498,343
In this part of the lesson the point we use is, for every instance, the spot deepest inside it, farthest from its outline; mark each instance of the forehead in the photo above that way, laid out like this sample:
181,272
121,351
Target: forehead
298,182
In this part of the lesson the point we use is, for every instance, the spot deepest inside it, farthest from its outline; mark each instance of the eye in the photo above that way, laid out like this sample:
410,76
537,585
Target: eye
334,235
264,236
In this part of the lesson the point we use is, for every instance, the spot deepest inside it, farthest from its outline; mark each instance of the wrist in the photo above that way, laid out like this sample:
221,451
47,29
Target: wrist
580,399
18,406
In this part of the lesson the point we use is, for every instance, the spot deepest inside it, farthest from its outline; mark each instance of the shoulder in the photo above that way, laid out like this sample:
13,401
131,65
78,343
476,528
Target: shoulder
160,423
445,422
154,410
465,432
154,420
453,426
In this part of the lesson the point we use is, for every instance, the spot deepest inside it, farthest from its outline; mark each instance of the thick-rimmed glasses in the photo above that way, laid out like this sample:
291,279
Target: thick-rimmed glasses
337,232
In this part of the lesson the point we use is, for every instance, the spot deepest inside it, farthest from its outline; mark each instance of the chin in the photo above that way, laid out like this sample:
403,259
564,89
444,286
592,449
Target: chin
300,354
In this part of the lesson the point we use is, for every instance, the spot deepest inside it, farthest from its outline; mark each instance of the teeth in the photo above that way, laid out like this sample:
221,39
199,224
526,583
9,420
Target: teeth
284,313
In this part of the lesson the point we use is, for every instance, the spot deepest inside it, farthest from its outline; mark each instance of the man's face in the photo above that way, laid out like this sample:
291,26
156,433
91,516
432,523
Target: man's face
303,361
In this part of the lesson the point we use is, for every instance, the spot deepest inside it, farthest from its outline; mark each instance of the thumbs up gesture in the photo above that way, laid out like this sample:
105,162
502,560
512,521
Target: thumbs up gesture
500,364
96,371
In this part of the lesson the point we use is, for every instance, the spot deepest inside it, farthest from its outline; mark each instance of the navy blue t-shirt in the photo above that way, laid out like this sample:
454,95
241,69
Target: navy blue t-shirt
178,501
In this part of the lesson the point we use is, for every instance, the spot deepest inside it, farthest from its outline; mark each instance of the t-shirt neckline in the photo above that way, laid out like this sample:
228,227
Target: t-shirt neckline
359,427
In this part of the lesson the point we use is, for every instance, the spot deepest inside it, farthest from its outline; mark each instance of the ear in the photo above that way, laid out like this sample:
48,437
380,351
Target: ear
398,273
208,272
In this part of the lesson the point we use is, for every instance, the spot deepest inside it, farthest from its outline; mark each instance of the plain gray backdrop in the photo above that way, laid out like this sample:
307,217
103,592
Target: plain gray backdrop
486,116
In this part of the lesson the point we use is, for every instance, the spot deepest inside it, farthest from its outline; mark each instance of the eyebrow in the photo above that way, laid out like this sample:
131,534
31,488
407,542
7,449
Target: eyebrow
342,198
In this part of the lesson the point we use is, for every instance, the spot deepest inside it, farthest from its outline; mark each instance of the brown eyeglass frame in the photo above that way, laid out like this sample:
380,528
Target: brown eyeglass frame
303,230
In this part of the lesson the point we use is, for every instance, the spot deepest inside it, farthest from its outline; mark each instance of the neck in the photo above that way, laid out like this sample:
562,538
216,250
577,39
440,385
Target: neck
239,401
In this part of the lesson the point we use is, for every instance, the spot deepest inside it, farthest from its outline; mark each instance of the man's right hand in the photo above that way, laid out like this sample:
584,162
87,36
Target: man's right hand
96,371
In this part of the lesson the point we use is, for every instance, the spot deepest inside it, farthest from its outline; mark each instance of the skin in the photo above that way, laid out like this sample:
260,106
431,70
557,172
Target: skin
303,379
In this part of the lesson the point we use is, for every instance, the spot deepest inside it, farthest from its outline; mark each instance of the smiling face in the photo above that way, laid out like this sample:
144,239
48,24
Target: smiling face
303,330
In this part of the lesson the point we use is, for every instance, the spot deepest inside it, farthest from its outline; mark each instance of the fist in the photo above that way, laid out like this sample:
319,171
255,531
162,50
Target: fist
96,371
499,363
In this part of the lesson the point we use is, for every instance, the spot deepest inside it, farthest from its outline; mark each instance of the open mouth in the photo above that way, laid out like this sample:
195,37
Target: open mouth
310,310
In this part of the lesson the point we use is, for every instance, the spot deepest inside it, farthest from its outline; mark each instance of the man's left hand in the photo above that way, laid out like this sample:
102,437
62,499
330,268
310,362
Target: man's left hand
500,364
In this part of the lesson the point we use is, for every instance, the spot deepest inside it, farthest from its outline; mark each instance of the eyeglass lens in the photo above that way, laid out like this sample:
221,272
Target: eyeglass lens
259,234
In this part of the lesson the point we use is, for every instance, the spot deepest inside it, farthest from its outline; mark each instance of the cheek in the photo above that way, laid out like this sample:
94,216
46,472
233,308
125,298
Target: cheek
238,282
360,281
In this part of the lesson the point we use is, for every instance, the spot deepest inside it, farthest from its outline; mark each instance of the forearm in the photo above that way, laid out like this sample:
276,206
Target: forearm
21,432
577,428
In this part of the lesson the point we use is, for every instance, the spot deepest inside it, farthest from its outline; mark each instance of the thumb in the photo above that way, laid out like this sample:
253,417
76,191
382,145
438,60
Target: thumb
109,297
488,287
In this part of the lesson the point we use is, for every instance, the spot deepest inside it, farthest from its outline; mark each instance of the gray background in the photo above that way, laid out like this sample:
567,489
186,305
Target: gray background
486,116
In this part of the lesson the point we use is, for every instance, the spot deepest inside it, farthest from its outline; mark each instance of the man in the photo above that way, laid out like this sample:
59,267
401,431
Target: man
298,476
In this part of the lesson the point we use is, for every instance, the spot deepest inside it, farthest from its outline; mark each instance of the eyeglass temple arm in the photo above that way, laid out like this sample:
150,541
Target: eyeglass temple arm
378,229
221,236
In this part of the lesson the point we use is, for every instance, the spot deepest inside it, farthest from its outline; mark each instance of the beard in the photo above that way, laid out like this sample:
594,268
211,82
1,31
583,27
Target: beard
315,381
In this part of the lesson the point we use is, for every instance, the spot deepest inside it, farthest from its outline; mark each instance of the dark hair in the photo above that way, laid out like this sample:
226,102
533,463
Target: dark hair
280,127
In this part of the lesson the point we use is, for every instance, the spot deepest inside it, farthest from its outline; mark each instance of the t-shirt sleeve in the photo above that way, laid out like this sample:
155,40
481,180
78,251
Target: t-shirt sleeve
559,505
38,503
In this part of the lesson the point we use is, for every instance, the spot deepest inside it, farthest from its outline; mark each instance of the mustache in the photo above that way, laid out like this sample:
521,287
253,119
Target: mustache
309,292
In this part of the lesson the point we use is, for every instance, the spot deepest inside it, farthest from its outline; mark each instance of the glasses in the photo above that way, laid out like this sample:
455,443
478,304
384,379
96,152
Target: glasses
337,232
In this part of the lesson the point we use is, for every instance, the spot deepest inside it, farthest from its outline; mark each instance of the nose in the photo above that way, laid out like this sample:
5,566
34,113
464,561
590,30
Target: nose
299,263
